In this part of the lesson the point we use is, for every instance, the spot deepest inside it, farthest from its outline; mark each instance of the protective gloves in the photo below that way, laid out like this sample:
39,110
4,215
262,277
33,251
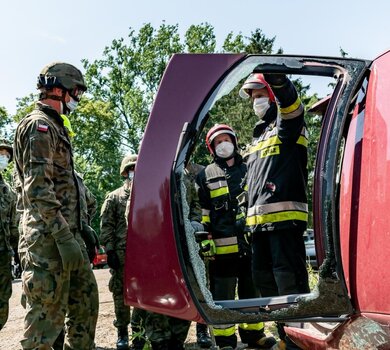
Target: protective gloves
207,248
69,249
91,240
275,79
113,260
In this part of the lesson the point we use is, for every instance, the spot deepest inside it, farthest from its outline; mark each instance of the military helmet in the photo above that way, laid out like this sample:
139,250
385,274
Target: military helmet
128,161
4,144
62,75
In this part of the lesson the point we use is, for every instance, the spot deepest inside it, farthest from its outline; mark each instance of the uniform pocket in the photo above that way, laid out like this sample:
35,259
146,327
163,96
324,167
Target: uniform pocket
42,285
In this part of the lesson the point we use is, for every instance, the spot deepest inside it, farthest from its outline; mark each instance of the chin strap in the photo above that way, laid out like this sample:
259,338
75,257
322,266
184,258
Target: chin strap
47,96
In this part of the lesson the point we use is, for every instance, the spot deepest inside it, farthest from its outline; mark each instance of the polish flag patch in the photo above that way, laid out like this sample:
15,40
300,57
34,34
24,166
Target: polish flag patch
42,127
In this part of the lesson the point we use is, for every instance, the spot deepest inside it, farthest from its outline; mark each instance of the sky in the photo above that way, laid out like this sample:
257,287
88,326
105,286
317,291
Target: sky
34,33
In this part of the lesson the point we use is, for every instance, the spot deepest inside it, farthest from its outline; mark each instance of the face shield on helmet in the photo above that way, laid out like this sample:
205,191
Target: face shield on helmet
219,129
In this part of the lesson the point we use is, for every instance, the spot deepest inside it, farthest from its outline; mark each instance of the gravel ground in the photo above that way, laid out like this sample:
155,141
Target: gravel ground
106,333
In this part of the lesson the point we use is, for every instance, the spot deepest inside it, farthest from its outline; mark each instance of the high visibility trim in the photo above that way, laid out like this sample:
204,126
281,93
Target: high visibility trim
252,326
205,212
302,140
228,245
274,140
291,108
246,187
217,184
227,249
205,219
219,192
239,216
278,217
277,207
269,151
224,330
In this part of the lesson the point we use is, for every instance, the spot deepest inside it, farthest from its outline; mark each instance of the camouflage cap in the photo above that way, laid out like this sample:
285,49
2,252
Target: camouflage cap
4,144
128,161
60,74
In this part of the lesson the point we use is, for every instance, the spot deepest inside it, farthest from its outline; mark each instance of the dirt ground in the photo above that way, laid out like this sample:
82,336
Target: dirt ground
12,332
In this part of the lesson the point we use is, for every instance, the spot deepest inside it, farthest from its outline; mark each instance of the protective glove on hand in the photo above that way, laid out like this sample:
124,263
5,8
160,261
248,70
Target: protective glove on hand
207,248
91,240
275,79
69,249
113,260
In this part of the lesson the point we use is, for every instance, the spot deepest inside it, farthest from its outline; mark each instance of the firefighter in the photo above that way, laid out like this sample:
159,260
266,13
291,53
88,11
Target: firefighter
8,233
277,180
220,185
113,234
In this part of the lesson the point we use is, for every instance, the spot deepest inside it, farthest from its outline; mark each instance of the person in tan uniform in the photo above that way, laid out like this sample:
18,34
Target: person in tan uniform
57,279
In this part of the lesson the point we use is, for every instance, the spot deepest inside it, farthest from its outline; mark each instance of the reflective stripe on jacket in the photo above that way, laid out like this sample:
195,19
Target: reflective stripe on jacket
277,166
218,187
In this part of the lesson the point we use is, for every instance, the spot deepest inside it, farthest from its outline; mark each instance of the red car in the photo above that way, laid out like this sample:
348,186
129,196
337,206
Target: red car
350,306
100,259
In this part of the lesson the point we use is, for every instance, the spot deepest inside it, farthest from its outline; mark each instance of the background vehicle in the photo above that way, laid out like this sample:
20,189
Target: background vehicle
350,305
100,259
311,256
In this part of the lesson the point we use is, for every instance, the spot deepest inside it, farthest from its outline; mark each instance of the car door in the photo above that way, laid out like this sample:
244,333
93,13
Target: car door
164,272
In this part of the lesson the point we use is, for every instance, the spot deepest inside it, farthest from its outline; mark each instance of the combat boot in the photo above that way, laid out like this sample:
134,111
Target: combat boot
202,336
123,339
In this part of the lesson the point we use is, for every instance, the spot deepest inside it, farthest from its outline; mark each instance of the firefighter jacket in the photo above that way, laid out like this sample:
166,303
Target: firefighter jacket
113,220
277,166
8,225
218,188
47,184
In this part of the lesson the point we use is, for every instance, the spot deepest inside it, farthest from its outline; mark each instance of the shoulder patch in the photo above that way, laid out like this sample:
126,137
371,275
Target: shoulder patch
42,127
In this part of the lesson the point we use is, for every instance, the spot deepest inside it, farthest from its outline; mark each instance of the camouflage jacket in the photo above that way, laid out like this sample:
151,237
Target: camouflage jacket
49,189
113,223
8,226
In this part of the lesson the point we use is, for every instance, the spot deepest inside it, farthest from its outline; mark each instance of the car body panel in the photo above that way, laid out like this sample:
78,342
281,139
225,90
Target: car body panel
157,275
365,195
156,280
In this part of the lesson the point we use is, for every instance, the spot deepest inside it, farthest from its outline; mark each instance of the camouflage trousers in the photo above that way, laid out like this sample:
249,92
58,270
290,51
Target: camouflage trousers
163,328
56,299
5,286
115,285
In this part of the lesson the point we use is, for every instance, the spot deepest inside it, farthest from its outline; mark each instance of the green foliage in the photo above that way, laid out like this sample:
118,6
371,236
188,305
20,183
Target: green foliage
122,84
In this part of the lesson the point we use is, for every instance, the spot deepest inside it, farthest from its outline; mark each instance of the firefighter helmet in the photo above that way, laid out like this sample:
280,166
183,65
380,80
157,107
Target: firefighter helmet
4,144
255,81
128,161
219,129
62,75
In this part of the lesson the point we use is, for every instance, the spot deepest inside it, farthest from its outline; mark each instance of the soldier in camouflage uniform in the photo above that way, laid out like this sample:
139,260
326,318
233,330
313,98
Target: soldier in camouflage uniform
113,234
57,278
8,233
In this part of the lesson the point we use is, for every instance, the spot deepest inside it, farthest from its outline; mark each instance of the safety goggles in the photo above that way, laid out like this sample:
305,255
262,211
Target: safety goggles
76,93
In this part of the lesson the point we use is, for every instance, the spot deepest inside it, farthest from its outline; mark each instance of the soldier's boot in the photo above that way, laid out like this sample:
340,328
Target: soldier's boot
202,336
123,339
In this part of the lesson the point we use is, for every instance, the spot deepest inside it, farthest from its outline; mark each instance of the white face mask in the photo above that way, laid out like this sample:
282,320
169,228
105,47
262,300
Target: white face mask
224,149
131,175
4,160
72,104
260,106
